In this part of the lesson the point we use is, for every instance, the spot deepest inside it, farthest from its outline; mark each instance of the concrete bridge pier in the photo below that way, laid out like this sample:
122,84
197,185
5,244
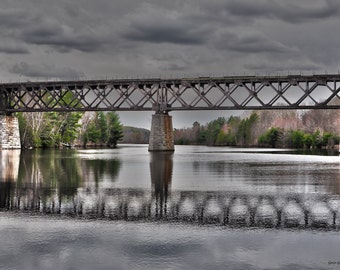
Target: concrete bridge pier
9,132
161,136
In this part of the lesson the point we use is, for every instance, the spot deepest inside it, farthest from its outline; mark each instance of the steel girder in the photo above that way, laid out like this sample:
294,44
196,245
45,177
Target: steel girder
203,93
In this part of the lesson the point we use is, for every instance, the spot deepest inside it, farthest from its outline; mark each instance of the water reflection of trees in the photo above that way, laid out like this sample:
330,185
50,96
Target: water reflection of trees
302,177
95,170
6,193
50,170
62,171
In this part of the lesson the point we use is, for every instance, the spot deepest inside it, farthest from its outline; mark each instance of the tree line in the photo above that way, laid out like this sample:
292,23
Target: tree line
55,129
280,128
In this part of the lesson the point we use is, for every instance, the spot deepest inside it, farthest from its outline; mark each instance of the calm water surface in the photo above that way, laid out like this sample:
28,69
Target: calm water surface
199,208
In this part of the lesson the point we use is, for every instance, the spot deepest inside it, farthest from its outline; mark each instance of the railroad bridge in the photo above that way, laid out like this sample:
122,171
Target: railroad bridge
165,95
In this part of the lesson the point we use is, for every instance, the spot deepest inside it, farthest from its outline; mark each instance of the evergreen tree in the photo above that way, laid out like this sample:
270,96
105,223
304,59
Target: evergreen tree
271,137
213,129
245,130
114,129
102,126
295,139
93,131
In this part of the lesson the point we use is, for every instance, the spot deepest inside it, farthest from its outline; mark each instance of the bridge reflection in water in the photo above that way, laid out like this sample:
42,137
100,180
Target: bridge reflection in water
302,211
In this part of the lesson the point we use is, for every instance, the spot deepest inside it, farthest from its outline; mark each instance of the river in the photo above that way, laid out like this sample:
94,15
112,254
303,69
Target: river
197,208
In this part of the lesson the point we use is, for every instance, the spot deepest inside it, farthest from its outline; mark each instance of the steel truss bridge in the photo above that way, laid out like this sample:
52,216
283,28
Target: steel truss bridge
235,209
162,95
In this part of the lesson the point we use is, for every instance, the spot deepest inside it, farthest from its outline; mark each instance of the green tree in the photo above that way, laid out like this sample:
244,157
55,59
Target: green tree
60,127
221,138
49,129
317,139
115,129
245,128
213,129
196,128
102,126
202,135
308,140
295,139
25,130
233,124
92,132
271,137
329,139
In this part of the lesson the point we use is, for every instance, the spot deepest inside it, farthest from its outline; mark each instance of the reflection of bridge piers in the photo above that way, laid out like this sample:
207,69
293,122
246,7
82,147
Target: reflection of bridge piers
161,165
9,165
9,170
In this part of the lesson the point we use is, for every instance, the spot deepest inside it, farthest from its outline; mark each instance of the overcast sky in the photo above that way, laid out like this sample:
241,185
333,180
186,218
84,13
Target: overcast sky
84,39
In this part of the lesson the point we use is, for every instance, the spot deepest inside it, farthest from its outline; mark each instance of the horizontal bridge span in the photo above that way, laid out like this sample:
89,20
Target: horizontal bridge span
201,93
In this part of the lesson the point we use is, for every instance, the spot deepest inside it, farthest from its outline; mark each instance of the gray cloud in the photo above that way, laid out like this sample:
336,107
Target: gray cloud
45,71
13,49
59,31
252,42
12,18
62,41
164,34
288,11
161,25
63,38
292,66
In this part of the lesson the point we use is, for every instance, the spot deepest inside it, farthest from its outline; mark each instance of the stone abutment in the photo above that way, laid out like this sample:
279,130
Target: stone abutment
9,132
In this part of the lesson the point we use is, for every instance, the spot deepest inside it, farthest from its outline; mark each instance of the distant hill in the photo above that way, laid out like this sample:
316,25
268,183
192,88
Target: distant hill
135,135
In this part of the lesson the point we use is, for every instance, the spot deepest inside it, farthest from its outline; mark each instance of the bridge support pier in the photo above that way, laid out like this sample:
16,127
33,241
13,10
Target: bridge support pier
161,136
9,132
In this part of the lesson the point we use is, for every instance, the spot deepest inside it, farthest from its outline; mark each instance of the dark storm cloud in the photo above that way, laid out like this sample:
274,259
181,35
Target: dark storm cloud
45,71
62,38
11,19
252,42
288,11
280,66
62,41
160,25
59,31
164,34
12,49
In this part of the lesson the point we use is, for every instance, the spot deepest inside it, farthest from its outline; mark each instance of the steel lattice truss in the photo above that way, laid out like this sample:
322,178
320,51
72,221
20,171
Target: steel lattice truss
203,93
